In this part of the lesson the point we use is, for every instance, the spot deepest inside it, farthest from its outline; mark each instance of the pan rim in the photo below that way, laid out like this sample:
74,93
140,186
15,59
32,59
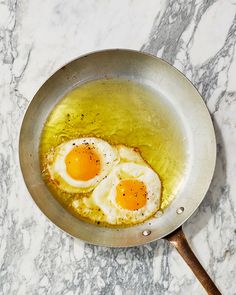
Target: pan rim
183,220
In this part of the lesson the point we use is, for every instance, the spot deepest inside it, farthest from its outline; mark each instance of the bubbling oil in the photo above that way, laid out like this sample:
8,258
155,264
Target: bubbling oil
120,112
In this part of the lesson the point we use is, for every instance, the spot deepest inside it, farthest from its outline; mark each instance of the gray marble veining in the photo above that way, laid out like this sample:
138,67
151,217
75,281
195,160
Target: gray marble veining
36,38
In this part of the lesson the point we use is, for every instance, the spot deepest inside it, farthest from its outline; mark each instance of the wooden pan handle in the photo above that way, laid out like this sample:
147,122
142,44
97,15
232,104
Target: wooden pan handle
178,240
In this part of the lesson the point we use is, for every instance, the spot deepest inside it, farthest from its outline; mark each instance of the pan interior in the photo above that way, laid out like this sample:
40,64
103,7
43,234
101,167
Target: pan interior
120,112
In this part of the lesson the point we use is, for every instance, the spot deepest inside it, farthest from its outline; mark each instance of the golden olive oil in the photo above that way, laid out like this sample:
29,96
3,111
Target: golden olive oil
120,112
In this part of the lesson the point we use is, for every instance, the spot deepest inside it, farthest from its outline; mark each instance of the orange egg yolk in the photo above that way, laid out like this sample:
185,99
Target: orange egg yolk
83,162
131,194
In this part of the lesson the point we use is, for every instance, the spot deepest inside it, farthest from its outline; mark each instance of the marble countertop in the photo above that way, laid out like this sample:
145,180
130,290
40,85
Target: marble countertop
36,38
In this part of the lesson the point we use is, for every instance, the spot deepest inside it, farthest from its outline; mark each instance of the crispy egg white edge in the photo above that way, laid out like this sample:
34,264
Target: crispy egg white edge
107,153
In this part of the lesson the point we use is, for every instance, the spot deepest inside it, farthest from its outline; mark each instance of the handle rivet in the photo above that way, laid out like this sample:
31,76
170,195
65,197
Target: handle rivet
180,210
158,214
146,232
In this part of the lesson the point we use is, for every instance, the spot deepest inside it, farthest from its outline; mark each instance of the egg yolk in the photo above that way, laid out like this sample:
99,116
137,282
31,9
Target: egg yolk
82,162
131,194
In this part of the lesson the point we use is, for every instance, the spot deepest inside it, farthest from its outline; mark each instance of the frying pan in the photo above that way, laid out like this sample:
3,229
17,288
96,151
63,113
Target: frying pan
198,131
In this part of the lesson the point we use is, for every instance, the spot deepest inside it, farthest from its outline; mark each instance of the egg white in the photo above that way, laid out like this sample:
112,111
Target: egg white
104,195
108,155
129,155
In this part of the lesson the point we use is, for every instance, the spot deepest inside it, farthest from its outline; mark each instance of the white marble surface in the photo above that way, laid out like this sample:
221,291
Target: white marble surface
36,38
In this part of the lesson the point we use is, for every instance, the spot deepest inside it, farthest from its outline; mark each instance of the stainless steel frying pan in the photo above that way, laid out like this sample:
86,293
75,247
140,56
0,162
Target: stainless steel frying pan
199,133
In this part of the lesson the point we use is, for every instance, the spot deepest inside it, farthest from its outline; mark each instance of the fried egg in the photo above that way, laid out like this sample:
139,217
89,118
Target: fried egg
77,166
130,193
